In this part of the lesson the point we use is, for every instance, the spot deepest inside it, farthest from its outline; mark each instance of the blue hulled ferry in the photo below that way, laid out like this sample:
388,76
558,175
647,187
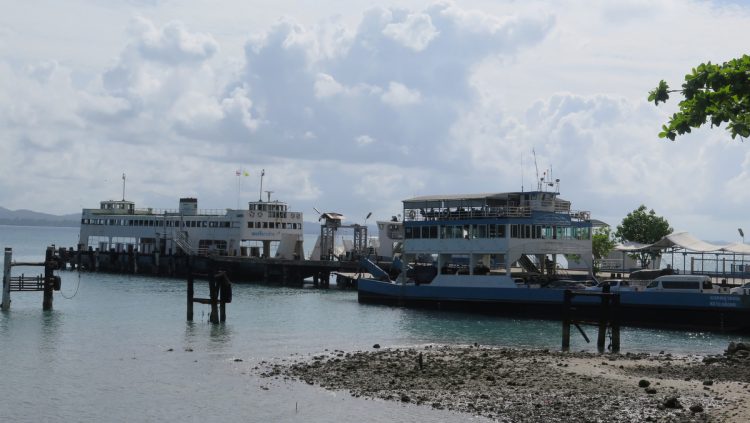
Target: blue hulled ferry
502,253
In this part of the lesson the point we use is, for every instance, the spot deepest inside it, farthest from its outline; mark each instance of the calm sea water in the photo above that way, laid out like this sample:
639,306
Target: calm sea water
103,353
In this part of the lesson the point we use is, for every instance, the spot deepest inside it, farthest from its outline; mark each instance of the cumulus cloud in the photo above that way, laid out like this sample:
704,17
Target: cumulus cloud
172,43
400,95
452,99
363,140
414,32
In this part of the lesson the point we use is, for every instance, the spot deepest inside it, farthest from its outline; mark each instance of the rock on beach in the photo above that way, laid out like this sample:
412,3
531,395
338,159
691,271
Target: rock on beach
523,385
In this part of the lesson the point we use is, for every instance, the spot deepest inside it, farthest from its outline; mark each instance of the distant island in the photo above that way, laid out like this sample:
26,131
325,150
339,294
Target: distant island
32,218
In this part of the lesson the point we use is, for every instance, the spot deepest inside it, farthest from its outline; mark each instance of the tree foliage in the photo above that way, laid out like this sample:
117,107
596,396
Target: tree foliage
602,243
644,227
715,93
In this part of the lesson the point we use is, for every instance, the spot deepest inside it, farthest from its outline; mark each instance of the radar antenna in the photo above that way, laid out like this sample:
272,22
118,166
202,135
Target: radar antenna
539,181
260,195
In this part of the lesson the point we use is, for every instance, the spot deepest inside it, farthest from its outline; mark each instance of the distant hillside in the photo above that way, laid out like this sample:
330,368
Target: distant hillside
32,218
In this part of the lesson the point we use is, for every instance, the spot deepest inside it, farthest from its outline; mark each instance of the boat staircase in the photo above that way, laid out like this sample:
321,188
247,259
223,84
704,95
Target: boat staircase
528,265
181,239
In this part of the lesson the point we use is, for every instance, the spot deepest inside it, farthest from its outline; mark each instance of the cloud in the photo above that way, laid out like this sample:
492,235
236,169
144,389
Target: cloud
172,44
414,32
402,100
326,86
400,95
363,140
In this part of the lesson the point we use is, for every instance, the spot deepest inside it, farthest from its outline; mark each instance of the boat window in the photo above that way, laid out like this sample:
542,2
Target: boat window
514,231
679,284
652,284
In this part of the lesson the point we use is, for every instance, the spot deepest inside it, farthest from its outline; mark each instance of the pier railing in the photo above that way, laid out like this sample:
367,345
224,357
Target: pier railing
156,212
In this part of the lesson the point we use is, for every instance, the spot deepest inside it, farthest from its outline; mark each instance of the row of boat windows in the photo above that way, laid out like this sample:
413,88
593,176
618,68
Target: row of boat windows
156,223
268,207
496,231
273,225
275,215
189,223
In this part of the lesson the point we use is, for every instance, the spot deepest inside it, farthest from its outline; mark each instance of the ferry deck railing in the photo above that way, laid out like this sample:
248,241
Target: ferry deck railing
418,215
156,212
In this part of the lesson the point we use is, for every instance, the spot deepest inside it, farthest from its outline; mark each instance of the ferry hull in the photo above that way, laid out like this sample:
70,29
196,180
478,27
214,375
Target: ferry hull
691,311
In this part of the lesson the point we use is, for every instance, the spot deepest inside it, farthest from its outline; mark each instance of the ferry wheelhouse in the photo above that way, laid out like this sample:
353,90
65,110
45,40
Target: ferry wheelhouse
264,227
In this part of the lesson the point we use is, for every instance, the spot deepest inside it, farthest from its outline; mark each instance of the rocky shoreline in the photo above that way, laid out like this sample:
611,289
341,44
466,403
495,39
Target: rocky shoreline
521,385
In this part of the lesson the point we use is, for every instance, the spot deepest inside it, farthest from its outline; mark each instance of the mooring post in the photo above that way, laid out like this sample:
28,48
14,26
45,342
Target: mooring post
567,296
49,278
213,292
190,295
615,322
78,256
603,317
6,278
222,299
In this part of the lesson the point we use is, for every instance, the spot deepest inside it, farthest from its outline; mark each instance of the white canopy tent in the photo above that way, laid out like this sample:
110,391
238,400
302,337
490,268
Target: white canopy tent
685,243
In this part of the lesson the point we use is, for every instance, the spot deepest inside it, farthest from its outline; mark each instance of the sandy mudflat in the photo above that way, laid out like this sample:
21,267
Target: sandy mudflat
517,385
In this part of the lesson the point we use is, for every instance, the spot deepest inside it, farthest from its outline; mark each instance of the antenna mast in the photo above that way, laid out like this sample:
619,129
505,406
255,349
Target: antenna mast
538,181
123,187
260,194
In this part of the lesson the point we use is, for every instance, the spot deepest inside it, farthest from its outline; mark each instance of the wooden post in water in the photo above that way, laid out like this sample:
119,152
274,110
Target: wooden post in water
567,296
614,321
49,279
6,278
603,316
222,300
213,288
190,293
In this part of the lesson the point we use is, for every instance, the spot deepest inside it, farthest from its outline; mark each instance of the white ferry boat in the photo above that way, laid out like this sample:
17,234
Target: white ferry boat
475,240
459,250
264,227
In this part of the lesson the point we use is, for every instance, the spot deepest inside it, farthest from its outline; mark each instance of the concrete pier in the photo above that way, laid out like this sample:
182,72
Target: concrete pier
239,269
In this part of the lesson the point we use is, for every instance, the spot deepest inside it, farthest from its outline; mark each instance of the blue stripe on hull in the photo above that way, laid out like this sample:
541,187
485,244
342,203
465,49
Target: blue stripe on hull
682,310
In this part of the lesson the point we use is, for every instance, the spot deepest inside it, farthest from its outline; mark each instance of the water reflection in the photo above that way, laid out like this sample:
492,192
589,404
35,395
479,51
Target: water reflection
208,336
432,326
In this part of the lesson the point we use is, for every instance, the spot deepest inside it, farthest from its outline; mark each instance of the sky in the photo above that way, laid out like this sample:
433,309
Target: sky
353,106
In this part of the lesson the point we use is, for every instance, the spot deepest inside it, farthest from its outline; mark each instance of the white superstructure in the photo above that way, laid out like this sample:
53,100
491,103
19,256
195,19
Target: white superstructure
255,231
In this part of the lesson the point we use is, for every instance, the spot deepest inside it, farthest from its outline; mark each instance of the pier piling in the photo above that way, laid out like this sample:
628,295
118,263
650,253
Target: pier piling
49,279
608,317
6,279
220,293
47,283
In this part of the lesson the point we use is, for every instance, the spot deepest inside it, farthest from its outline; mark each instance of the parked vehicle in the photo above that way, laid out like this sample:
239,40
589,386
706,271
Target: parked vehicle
680,283
615,285
741,290
565,284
